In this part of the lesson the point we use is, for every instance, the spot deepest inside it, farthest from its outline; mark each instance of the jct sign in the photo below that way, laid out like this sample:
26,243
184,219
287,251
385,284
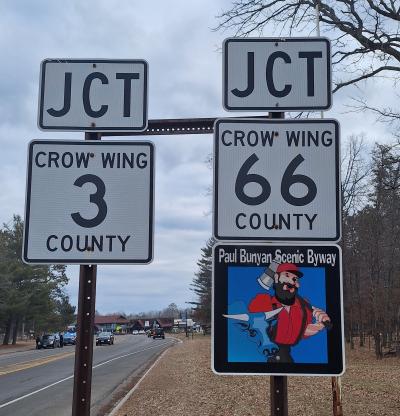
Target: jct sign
97,95
277,74
277,180
89,202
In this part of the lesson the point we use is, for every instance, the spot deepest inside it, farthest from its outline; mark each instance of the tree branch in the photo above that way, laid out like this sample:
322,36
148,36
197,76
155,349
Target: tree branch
365,76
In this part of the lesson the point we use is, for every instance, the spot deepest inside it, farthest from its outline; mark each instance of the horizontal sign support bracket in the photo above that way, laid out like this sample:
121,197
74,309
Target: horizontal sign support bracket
163,127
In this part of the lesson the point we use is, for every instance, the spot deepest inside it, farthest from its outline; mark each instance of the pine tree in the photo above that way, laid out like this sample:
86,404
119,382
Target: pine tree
32,294
201,285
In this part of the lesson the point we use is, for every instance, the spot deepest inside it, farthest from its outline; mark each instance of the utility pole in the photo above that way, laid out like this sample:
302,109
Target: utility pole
186,324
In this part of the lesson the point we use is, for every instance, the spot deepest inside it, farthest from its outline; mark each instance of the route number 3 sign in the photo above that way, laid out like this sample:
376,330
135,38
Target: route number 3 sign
89,202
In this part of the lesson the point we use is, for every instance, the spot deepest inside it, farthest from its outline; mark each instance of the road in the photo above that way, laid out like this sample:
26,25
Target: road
39,382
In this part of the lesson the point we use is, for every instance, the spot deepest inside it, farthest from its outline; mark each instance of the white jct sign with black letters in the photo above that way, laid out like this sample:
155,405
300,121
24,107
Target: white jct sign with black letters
276,180
276,74
89,202
93,95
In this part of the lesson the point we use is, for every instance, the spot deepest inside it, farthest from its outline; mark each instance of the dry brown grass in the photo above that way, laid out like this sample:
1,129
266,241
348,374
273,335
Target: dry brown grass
183,384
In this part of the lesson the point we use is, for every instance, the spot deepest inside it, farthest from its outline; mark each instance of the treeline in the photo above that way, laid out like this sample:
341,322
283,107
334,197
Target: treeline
32,298
370,243
371,249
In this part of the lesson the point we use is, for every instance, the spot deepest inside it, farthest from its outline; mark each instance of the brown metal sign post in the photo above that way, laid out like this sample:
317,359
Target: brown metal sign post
278,396
278,384
85,329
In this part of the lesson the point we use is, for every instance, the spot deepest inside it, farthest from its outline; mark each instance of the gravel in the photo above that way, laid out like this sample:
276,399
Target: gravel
183,384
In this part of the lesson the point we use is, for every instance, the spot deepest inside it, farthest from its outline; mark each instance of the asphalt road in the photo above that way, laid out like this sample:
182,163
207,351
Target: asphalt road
39,382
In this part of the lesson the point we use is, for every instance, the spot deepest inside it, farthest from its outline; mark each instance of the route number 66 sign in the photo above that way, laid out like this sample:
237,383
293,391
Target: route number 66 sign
277,180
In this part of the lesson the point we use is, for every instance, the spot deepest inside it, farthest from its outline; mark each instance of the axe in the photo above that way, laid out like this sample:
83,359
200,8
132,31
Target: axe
266,280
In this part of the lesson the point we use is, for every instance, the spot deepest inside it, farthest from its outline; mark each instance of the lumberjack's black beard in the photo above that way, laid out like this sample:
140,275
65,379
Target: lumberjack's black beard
284,296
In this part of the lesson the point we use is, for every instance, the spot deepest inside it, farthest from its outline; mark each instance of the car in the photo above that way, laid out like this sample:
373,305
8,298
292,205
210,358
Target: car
158,333
135,332
69,338
141,332
105,338
49,341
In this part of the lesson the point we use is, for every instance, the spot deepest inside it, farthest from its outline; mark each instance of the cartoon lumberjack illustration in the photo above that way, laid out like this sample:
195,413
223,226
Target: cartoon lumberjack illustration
288,318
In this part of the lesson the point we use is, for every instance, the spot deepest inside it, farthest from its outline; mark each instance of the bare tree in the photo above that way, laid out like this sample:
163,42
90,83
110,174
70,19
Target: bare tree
364,33
355,174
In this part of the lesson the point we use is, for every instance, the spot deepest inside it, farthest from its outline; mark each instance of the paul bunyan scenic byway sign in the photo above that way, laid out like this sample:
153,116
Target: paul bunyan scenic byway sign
260,327
89,202
277,180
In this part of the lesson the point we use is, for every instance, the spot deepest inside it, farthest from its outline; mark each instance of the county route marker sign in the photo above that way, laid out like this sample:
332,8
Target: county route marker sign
276,180
279,74
256,331
89,202
93,95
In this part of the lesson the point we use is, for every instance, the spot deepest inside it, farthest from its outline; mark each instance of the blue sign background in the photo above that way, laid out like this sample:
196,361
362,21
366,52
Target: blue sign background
243,287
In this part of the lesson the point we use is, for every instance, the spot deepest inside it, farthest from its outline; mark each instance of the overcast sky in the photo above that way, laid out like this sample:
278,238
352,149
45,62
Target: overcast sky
185,80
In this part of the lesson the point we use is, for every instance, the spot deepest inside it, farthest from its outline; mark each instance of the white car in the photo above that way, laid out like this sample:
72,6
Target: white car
142,332
135,332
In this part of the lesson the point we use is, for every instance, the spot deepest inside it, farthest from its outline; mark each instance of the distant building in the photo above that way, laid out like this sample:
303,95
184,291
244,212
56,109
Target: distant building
181,323
111,323
147,323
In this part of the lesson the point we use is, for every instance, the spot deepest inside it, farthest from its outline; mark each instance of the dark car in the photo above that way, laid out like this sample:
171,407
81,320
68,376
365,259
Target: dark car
158,333
49,341
69,338
105,338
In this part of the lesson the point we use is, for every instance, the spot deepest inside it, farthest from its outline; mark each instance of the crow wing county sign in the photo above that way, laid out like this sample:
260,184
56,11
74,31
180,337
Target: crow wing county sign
89,202
277,180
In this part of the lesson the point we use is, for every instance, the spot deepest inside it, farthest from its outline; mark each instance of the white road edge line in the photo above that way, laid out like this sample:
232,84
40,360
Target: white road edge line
69,377
130,392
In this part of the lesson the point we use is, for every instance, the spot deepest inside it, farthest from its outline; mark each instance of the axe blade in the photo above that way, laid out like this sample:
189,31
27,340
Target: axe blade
238,317
271,314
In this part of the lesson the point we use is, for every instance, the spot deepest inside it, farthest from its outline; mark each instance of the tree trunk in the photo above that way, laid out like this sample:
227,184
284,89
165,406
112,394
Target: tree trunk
362,337
15,331
22,329
6,338
378,345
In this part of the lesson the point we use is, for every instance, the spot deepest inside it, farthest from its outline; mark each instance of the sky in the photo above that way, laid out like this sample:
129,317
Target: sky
183,52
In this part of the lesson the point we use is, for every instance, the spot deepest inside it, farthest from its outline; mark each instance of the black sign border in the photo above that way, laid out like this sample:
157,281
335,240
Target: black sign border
41,126
274,108
334,307
271,237
88,261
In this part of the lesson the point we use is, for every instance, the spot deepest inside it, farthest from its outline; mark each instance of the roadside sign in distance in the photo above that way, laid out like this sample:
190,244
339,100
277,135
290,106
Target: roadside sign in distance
277,180
89,202
276,74
277,309
93,95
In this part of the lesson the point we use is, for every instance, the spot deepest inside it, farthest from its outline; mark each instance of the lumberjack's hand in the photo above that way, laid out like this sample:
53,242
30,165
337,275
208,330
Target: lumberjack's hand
321,318
313,329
